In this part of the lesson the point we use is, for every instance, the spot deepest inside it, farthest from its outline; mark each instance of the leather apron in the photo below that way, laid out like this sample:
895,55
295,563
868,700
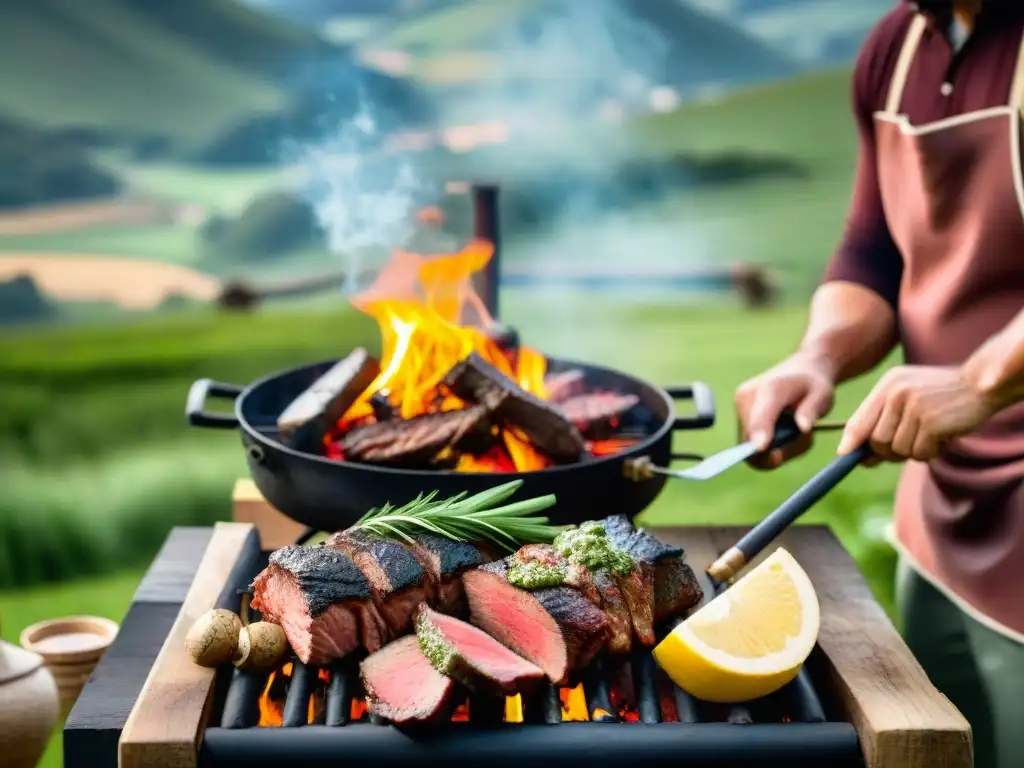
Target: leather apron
953,194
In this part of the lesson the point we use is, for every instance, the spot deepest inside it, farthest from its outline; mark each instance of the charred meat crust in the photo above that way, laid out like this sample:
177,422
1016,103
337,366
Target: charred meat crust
398,564
637,542
453,557
324,575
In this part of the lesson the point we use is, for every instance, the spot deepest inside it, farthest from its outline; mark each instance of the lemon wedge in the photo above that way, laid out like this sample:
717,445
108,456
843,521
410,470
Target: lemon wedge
749,641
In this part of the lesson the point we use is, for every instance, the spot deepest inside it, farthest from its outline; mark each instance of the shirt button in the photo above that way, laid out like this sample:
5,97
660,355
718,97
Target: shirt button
946,89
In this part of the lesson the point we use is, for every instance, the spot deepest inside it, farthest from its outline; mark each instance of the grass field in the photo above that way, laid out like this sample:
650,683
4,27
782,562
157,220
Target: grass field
100,464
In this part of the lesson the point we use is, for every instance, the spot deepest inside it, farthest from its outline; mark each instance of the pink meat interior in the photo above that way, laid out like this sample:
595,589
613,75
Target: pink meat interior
480,649
514,618
402,678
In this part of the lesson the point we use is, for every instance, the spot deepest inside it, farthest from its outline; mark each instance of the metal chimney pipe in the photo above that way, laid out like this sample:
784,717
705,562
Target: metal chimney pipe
486,227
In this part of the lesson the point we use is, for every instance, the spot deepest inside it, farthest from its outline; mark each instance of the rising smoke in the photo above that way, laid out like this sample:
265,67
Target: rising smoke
555,74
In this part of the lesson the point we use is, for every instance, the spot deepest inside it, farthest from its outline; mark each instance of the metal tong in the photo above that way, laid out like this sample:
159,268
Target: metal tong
786,432
725,568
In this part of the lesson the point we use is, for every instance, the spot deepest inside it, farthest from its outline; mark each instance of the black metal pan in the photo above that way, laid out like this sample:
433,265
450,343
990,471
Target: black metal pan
331,495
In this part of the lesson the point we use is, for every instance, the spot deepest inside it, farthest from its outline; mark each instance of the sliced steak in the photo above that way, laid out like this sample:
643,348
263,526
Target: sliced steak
598,587
402,686
637,587
398,583
556,628
471,656
321,600
444,560
676,589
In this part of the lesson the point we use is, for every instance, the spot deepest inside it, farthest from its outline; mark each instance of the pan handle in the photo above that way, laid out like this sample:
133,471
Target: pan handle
769,529
201,391
703,403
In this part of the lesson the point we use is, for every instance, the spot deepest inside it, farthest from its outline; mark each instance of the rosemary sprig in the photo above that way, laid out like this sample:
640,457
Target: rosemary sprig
482,517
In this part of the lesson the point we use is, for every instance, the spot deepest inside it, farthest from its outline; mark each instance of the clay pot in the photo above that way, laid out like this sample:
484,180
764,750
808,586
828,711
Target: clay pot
71,648
29,707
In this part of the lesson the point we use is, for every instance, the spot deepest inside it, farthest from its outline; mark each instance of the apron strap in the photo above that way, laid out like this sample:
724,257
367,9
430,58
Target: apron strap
1017,88
899,74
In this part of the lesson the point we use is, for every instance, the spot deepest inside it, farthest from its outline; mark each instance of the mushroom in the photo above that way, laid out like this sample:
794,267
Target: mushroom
261,646
213,639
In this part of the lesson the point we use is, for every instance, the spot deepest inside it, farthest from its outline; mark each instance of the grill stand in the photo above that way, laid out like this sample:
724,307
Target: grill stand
900,719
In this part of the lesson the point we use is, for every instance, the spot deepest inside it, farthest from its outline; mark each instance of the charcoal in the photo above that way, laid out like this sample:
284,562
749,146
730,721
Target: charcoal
410,442
477,381
595,414
381,404
561,386
310,415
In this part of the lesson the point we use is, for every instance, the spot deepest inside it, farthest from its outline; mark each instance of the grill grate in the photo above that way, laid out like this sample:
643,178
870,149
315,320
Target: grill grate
326,698
653,721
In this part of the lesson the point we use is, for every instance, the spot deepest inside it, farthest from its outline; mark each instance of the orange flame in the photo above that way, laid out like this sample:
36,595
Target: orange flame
430,318
272,709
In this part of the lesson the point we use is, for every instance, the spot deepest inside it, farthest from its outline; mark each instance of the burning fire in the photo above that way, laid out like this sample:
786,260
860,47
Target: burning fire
431,321
430,318
271,703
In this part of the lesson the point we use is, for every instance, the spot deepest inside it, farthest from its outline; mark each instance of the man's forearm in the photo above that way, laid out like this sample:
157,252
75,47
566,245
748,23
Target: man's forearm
997,368
851,329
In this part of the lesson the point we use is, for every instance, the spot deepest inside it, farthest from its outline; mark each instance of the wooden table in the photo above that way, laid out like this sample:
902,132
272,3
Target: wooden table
902,721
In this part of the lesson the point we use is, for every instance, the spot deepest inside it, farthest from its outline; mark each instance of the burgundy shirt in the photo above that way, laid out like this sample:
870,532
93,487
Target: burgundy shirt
980,75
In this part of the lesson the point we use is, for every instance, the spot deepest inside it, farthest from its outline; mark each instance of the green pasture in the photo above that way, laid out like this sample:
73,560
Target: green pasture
99,463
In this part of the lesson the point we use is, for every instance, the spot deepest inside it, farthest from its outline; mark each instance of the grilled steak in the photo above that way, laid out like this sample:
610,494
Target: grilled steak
398,583
556,628
675,586
402,686
597,413
320,599
637,587
444,560
561,386
471,656
410,442
598,587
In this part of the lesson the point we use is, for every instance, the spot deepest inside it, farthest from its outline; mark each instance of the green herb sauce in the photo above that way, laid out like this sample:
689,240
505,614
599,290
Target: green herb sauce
589,546
535,575
432,643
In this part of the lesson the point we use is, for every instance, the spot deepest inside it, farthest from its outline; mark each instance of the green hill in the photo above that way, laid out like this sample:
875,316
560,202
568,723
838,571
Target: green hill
699,48
141,69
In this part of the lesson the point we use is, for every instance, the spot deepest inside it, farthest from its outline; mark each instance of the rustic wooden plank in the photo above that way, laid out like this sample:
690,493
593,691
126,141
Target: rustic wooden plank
170,713
170,576
902,720
276,530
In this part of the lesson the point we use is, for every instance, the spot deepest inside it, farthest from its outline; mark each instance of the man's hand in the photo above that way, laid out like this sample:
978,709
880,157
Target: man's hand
801,383
913,410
